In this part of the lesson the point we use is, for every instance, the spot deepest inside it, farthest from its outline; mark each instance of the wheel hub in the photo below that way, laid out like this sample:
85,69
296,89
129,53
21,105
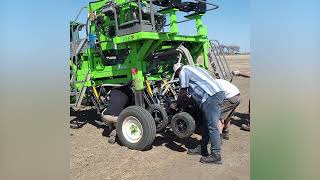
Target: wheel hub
132,129
182,126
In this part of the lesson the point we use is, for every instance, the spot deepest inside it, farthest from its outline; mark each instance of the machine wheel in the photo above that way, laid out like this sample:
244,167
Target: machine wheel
160,116
183,125
136,128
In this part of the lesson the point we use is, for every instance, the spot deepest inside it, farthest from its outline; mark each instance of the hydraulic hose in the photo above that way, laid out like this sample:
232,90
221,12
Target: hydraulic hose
183,50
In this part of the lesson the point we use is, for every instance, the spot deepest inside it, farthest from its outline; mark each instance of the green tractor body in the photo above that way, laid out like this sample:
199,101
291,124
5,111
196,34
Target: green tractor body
126,43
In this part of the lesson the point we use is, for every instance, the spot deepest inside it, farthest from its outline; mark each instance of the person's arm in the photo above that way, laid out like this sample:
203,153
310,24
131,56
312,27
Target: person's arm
238,73
184,84
182,97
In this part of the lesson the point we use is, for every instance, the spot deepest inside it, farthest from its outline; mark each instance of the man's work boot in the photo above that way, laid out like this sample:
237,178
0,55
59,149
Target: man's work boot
198,151
245,127
211,159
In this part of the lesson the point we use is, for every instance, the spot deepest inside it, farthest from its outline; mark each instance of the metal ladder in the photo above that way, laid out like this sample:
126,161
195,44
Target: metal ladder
79,95
76,47
218,61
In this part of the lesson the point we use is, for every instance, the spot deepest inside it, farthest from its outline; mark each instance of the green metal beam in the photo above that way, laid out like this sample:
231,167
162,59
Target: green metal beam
157,36
143,50
154,46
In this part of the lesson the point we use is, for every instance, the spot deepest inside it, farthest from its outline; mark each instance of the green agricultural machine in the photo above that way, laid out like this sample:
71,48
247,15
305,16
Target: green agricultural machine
125,62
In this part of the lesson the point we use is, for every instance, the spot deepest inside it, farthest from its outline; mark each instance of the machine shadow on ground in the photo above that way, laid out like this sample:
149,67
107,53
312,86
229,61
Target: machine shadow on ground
169,140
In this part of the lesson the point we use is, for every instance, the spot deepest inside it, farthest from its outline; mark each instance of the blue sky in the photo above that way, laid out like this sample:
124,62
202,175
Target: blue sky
230,24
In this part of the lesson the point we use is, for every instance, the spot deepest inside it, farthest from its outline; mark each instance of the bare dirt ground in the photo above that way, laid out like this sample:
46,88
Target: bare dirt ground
92,157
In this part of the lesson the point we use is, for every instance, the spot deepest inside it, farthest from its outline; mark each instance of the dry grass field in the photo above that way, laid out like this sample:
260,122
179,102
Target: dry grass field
92,157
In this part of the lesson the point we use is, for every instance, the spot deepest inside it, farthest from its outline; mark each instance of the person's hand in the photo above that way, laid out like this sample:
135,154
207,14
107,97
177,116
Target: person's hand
236,72
173,106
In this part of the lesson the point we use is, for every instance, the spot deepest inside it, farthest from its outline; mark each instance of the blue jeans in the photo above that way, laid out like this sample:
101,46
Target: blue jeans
211,110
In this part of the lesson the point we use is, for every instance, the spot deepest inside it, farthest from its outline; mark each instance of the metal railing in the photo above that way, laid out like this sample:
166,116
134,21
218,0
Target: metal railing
114,7
213,7
218,61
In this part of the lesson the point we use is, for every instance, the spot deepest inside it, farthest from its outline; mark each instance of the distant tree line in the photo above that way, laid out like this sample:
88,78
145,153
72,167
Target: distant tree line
230,50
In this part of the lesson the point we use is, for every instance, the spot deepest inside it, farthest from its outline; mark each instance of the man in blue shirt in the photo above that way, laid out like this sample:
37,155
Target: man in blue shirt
209,96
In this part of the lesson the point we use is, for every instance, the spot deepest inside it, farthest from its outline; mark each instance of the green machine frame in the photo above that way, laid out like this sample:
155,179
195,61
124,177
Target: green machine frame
89,70
126,48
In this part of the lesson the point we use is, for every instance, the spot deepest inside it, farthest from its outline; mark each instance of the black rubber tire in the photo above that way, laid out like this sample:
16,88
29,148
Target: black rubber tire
147,123
188,122
165,121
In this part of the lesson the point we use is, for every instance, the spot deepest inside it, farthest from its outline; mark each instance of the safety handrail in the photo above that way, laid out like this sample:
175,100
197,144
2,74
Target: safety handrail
222,53
214,7
221,61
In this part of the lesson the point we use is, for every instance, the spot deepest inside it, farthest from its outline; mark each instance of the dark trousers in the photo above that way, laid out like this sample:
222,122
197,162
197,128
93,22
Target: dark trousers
211,110
229,105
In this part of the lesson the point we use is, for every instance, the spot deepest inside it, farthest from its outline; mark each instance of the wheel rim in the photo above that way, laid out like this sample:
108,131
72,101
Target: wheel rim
132,129
157,116
181,125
